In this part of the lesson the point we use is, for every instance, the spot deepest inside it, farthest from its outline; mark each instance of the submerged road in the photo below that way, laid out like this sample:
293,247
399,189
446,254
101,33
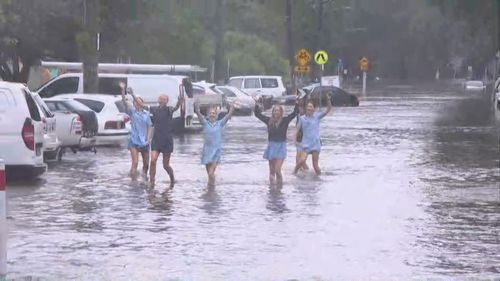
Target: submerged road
410,189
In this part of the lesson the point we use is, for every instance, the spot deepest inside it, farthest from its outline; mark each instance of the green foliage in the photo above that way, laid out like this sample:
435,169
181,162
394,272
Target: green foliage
249,54
401,38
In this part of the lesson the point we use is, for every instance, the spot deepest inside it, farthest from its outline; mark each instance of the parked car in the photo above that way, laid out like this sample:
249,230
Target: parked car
260,85
474,85
21,131
232,94
147,86
112,119
338,96
76,124
208,95
51,143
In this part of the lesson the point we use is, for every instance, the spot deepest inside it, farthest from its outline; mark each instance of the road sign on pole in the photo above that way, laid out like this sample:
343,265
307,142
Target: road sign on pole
302,68
364,64
321,57
302,57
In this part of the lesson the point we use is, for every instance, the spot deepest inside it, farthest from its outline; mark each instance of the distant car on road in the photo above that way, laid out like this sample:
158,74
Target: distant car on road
76,124
474,85
21,131
338,96
111,116
232,94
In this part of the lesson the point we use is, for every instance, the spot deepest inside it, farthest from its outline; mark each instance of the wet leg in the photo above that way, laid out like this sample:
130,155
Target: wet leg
315,159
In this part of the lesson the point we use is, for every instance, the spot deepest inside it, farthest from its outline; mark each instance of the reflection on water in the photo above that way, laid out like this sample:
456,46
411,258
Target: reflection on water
409,189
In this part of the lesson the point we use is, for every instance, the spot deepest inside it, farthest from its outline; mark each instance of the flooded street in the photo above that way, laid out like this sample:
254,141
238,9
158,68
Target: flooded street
410,188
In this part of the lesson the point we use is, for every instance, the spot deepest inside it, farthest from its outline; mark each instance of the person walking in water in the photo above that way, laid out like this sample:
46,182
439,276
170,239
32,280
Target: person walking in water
298,132
212,134
140,135
163,141
311,142
277,127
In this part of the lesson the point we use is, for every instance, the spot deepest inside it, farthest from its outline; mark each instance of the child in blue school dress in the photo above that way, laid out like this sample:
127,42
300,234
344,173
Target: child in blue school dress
311,142
212,135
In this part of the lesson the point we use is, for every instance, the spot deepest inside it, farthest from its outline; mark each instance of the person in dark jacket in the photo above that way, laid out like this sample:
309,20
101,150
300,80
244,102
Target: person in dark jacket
277,127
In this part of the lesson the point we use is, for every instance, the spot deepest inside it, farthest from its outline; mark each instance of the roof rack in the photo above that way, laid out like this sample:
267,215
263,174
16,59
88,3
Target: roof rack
128,68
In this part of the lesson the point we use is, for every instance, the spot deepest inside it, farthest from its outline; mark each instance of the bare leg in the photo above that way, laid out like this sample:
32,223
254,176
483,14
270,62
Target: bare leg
277,168
152,170
304,165
211,178
272,172
300,163
315,158
168,168
135,161
211,174
145,162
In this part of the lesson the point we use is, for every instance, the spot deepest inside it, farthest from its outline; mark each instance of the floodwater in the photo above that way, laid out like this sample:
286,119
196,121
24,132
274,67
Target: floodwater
410,189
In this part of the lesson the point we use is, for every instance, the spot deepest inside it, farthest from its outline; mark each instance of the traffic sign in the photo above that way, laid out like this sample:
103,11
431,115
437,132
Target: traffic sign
302,57
363,64
321,57
302,68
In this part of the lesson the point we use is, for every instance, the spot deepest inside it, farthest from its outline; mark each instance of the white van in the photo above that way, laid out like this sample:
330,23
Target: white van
21,131
147,86
260,85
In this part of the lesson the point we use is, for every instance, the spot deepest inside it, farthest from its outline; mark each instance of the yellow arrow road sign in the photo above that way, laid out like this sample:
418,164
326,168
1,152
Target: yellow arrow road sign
321,57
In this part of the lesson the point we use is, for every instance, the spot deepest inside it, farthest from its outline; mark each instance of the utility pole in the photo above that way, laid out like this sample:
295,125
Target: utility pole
88,41
218,64
319,31
289,41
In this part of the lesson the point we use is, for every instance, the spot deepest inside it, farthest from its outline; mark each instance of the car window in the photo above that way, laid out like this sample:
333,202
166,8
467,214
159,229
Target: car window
269,82
121,106
227,92
45,109
52,105
241,92
34,113
110,85
74,106
252,83
236,82
96,106
66,85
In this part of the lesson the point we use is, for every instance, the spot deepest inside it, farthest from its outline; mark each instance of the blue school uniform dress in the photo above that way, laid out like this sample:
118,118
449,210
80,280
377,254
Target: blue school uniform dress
140,123
212,145
311,141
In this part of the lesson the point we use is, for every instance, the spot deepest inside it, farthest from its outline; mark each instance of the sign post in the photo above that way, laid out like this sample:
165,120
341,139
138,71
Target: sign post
363,65
3,221
321,57
302,57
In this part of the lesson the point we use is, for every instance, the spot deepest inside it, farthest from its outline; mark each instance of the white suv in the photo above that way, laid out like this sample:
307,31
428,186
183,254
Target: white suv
21,131
259,85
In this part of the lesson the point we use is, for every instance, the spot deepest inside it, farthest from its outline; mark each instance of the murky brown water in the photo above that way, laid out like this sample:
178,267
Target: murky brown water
410,189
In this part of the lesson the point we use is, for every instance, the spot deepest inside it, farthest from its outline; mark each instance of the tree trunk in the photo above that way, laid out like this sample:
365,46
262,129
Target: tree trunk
219,69
88,46
289,41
